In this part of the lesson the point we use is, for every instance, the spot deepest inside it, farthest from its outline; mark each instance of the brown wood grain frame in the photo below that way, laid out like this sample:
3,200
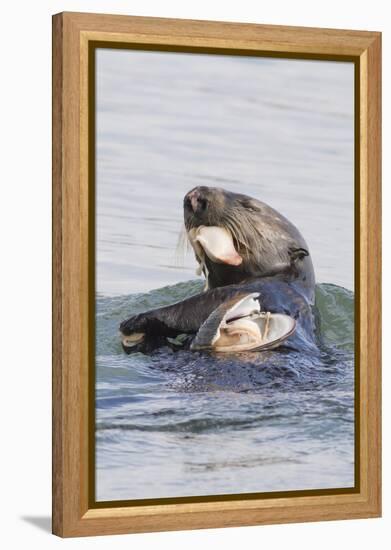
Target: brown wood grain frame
75,39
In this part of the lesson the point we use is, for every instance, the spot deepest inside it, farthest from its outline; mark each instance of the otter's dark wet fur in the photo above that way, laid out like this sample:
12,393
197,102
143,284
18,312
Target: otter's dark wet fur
276,265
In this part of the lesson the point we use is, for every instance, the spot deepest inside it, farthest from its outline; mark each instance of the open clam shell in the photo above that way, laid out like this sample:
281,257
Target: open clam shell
239,325
216,243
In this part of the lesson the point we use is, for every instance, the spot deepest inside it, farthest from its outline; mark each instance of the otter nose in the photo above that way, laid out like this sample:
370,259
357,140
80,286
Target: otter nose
193,198
195,201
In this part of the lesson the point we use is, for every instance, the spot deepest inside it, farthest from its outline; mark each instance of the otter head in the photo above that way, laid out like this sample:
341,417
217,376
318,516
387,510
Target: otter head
260,235
205,206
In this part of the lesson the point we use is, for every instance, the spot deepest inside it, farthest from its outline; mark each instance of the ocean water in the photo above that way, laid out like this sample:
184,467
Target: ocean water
283,131
185,423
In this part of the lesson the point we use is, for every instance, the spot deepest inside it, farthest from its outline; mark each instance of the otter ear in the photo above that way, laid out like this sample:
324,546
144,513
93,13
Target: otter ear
297,254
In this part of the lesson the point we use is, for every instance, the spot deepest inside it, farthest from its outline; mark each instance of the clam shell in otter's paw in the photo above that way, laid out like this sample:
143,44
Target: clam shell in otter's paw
239,325
130,342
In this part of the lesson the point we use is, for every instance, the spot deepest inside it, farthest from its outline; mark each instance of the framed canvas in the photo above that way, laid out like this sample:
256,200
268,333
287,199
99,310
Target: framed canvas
247,392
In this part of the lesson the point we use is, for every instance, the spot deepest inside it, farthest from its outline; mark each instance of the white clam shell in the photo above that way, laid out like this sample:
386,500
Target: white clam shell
216,243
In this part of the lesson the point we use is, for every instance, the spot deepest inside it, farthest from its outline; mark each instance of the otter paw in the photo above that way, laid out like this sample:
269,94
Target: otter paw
132,342
135,324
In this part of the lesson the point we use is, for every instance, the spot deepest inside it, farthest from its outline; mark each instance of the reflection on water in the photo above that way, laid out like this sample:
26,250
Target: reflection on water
282,131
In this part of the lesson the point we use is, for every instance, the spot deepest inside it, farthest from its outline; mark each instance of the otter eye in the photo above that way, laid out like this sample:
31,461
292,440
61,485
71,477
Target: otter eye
203,203
249,205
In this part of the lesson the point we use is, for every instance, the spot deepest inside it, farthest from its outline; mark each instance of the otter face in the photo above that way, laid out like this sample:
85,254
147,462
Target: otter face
204,206
238,214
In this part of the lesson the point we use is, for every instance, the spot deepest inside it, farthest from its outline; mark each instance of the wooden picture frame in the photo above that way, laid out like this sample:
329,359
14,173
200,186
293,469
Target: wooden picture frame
74,37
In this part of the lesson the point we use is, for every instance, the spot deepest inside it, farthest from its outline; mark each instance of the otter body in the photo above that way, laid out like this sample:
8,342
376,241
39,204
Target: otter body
274,265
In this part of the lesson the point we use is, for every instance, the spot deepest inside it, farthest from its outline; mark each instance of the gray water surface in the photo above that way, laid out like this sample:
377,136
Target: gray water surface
282,131
279,130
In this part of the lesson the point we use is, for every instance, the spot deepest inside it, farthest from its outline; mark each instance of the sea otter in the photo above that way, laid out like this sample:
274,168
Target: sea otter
260,281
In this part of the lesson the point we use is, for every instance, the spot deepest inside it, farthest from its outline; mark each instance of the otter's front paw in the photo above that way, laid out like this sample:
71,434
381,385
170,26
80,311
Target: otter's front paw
143,333
137,323
133,333
134,342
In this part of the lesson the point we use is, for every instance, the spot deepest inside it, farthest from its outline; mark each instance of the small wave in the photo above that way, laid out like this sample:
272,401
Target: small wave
196,425
336,309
